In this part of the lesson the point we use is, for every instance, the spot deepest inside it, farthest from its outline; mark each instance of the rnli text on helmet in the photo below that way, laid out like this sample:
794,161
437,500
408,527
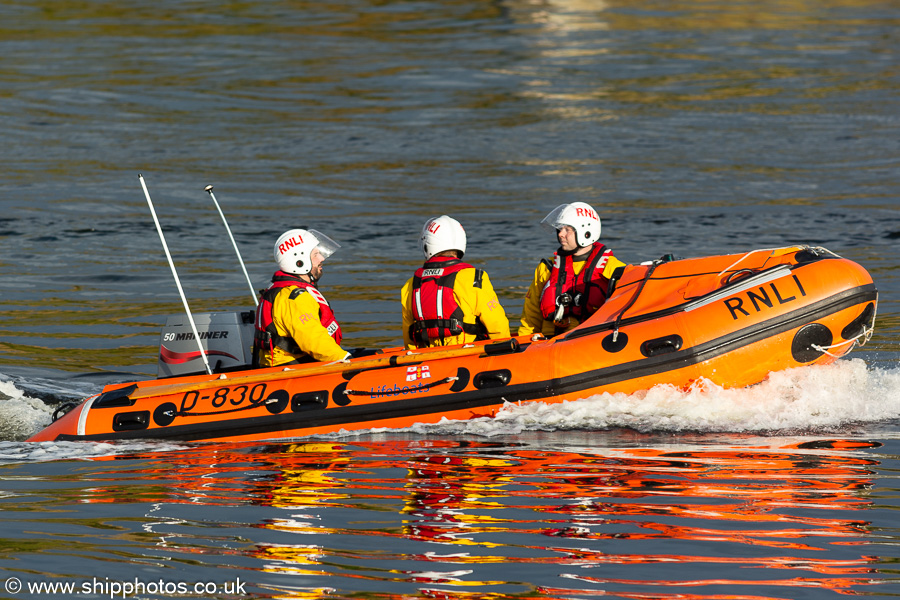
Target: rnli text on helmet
586,212
294,241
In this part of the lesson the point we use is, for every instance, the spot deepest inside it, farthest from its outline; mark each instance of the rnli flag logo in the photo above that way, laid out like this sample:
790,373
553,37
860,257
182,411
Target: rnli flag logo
413,373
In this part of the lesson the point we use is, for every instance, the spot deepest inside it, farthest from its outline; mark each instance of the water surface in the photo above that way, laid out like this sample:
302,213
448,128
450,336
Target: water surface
694,127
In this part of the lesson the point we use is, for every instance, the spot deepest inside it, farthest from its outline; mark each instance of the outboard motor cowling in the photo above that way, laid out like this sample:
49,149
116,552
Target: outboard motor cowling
227,339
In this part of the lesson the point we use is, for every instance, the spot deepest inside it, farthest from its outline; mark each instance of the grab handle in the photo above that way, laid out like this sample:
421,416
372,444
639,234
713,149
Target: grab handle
663,345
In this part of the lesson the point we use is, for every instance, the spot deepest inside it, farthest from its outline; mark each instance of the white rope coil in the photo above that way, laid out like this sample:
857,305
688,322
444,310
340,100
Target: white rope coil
866,334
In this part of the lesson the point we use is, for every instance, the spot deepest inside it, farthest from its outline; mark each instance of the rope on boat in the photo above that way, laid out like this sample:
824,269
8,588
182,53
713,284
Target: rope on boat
634,298
741,259
866,333
342,361
392,391
817,250
186,413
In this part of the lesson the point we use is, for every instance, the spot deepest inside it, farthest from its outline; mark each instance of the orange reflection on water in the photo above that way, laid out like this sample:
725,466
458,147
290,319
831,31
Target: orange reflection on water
447,510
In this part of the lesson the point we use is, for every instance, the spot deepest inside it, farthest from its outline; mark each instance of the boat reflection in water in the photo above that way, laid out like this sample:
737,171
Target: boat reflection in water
459,518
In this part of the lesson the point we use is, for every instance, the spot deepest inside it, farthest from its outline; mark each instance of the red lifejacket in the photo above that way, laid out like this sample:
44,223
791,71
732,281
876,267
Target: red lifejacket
436,314
588,290
266,336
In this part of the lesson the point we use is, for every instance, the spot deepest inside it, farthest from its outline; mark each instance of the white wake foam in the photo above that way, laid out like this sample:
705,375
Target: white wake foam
805,399
21,415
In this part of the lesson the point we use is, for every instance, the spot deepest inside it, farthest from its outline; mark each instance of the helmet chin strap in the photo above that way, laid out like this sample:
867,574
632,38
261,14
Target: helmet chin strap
312,278
307,277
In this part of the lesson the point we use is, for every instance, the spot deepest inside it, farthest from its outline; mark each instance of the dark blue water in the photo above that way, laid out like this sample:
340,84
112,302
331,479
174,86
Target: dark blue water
693,127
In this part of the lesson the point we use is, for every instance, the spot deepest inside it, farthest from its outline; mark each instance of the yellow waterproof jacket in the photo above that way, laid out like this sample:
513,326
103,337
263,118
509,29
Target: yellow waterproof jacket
532,320
299,319
478,304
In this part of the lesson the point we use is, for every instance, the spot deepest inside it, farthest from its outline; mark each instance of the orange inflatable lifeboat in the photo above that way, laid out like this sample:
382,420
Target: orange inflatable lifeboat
730,319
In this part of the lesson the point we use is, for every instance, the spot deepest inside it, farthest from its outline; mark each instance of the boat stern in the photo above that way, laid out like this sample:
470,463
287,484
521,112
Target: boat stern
66,425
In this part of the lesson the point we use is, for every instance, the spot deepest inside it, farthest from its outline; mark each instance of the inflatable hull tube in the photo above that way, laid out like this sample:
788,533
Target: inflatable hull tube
729,319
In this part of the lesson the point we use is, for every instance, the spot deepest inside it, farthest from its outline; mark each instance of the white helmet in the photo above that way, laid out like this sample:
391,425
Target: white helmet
294,248
442,233
579,216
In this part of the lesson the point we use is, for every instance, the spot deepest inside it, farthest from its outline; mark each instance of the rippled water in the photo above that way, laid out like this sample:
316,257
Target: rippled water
536,515
694,127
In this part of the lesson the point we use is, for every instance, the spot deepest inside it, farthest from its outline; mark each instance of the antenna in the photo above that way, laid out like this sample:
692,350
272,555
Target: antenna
209,189
175,274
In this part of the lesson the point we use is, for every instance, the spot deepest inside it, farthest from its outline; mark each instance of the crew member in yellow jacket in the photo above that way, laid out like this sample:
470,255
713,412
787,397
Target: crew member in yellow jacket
294,322
571,285
447,301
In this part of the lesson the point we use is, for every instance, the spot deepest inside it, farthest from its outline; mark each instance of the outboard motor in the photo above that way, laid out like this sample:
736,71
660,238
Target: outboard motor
227,339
